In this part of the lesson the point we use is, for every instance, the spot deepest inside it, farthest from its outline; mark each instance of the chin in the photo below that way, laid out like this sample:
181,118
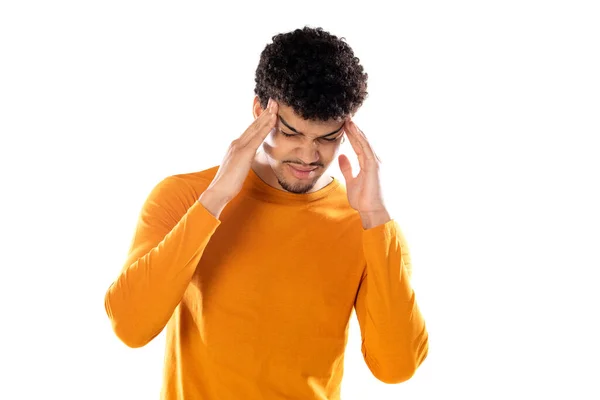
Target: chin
298,187
293,184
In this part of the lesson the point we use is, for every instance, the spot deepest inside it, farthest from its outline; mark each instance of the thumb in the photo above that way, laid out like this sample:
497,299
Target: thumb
345,167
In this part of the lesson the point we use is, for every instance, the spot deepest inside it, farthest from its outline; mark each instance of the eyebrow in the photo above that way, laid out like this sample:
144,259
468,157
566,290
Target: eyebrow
300,133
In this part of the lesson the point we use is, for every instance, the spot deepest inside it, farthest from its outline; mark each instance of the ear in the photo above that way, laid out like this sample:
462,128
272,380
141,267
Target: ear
256,107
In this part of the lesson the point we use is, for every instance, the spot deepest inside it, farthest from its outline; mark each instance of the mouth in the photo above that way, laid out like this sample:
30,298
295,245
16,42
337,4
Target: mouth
301,172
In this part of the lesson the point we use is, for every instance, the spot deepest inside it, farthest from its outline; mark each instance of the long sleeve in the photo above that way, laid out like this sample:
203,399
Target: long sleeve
168,243
394,335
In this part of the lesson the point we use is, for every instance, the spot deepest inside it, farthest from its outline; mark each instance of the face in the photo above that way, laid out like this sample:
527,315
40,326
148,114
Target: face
300,151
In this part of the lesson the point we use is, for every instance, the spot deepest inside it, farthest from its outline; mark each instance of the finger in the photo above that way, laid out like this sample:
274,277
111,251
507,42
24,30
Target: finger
356,146
261,125
366,142
362,141
262,120
345,167
263,131
366,147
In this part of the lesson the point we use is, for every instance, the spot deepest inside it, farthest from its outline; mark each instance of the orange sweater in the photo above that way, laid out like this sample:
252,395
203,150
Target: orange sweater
257,303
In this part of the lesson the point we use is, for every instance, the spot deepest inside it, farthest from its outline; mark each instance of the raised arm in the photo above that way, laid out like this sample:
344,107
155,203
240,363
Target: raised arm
170,239
394,339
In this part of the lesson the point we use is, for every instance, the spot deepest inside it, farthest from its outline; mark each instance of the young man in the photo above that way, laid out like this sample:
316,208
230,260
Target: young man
255,266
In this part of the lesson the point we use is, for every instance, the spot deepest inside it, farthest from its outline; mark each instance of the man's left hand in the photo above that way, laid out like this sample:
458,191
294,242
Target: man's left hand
364,190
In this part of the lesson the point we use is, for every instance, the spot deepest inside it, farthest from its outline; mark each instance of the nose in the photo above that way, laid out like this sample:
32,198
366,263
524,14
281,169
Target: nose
308,152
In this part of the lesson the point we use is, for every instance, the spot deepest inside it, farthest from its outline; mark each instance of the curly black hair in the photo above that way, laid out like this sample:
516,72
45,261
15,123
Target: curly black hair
312,71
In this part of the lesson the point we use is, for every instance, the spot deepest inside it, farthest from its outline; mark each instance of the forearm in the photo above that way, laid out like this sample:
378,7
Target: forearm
395,328
144,296
395,337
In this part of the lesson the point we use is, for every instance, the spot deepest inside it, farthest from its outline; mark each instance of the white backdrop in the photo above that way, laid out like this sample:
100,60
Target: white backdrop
485,114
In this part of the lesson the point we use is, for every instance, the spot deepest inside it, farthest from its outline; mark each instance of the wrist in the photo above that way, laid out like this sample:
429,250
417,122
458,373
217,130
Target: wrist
213,202
374,218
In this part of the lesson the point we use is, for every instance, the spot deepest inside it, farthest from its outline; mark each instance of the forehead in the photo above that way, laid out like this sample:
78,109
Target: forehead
307,127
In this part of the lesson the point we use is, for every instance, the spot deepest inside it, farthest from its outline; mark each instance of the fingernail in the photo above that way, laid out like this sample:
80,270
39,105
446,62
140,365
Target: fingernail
269,103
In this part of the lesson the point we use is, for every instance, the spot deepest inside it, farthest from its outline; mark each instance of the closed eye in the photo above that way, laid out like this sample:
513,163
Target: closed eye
325,139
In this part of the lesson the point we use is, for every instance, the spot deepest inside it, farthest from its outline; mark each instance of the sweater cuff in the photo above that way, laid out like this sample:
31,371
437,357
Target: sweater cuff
385,232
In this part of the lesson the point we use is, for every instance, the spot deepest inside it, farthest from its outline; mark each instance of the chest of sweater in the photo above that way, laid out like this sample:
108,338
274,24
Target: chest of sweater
277,289
280,270
296,274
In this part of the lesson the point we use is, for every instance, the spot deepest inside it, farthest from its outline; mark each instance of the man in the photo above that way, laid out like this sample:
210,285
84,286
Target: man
255,266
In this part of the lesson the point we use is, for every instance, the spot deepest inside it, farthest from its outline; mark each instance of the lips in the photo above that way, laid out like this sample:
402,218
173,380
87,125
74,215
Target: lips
302,173
303,169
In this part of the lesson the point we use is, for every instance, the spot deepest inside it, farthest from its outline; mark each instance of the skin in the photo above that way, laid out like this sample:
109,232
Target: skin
310,148
307,148
364,190
265,148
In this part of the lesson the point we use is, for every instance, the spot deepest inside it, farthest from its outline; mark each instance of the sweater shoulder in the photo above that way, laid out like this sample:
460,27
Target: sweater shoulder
182,190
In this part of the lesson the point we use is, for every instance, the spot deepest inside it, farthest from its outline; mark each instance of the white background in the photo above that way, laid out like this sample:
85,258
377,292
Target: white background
485,114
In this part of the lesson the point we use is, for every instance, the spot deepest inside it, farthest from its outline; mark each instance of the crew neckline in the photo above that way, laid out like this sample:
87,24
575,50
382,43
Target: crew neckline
266,192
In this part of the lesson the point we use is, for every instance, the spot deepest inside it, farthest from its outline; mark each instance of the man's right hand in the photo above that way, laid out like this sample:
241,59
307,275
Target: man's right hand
236,164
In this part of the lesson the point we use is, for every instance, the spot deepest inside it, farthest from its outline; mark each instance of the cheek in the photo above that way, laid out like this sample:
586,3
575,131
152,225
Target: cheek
328,153
329,149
